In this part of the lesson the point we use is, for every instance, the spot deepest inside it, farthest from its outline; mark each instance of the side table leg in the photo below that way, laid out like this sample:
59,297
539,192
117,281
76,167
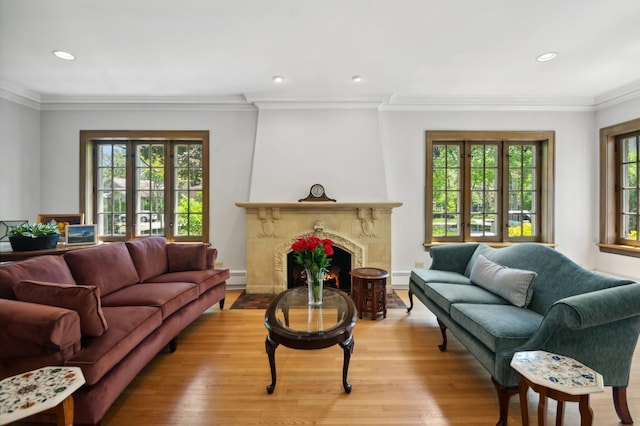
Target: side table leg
270,347
64,412
523,387
560,413
542,407
347,348
586,413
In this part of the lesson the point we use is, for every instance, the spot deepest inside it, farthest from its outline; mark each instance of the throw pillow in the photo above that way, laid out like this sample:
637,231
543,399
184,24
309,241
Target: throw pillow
514,285
84,299
187,257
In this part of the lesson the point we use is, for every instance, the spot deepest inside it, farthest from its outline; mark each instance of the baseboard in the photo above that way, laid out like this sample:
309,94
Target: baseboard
238,280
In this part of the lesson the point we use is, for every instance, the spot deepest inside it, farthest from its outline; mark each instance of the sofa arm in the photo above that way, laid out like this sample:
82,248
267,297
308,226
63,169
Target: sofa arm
453,258
597,307
212,255
31,329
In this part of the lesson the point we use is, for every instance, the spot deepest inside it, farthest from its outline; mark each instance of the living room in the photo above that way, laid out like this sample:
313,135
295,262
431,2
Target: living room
363,141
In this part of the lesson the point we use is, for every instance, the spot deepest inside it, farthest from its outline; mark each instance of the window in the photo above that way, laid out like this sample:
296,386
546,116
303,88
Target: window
494,187
619,189
140,184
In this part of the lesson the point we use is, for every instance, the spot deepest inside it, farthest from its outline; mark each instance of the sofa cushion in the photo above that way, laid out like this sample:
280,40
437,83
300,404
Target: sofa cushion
109,267
187,257
422,276
498,327
42,268
149,256
85,300
32,330
205,280
515,285
169,297
128,326
482,249
445,294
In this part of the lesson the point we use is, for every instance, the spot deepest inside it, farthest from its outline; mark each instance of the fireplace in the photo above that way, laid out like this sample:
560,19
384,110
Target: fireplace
336,277
361,229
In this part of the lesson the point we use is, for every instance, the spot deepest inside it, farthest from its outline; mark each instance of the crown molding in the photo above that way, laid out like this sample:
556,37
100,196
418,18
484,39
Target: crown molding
19,95
157,103
253,102
487,103
617,96
317,102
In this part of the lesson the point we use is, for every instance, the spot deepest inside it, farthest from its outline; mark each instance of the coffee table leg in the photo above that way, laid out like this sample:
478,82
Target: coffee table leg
347,348
270,347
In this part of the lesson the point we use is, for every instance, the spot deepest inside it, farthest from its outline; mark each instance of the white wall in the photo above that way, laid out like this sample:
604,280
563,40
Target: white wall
339,148
391,142
232,135
19,161
403,135
606,262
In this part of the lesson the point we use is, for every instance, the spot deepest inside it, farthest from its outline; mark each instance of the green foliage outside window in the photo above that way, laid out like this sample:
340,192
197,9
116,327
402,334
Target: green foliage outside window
190,216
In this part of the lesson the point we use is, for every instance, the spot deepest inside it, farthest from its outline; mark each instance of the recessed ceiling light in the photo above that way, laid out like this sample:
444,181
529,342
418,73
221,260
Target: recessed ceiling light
546,57
64,55
356,78
278,79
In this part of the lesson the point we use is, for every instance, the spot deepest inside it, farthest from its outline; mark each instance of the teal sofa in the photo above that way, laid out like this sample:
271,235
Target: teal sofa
565,310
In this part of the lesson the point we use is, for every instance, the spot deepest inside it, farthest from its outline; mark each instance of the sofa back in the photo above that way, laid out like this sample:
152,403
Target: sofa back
42,268
109,267
558,276
149,256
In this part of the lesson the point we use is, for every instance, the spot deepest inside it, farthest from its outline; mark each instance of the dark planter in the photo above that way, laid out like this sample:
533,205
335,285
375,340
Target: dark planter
29,244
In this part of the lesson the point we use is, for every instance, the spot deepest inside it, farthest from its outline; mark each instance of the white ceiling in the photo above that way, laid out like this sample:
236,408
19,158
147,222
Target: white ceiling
411,50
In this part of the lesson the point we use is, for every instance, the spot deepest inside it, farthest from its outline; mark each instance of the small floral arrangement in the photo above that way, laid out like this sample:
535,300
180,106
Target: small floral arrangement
312,253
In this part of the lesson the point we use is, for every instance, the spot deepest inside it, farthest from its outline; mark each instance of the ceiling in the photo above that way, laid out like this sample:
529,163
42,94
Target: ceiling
408,51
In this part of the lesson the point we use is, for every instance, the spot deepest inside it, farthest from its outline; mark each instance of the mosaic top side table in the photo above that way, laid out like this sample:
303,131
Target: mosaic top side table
47,388
557,377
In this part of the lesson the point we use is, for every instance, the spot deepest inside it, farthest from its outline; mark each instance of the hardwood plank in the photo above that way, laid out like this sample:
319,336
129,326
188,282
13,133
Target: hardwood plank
219,373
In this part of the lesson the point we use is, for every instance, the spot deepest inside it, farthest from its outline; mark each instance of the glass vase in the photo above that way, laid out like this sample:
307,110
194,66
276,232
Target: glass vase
315,280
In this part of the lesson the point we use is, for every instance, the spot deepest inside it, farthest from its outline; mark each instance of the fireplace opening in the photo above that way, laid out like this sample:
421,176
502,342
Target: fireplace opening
337,277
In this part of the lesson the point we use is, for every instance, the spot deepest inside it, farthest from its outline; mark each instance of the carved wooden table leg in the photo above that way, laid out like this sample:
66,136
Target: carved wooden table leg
270,347
347,348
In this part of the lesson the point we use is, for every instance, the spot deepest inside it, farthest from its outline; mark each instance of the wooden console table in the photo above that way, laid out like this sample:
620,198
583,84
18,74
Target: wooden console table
8,255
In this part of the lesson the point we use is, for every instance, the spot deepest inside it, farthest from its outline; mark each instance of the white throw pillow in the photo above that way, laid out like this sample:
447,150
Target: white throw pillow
514,285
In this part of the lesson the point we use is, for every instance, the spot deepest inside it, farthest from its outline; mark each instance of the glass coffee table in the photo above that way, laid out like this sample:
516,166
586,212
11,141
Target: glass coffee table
292,322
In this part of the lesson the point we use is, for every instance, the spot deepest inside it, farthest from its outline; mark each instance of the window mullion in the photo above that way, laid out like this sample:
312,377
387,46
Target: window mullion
466,190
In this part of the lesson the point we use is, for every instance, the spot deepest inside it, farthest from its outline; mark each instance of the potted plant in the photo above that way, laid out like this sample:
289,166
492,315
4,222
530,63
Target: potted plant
34,236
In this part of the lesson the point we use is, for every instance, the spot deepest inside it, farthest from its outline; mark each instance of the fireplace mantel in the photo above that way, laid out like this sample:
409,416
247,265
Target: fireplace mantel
361,228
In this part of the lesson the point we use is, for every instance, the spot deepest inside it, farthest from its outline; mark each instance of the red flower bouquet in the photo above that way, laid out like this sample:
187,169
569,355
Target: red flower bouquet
313,253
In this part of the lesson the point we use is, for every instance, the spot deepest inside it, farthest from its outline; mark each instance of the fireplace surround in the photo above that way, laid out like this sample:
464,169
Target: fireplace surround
363,229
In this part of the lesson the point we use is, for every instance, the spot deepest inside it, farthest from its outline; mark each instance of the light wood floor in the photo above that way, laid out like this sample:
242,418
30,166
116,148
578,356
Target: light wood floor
219,373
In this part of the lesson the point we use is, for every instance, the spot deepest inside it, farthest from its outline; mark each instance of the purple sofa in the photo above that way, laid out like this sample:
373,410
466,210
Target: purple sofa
107,309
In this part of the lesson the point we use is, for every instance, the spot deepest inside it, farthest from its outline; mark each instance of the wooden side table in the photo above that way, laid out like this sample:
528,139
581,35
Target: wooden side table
558,377
47,388
369,291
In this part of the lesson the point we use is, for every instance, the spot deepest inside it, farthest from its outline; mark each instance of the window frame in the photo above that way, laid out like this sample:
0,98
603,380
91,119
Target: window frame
610,240
88,187
546,174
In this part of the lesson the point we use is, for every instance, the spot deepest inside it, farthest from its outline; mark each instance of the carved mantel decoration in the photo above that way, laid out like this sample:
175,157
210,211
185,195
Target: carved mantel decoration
363,229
